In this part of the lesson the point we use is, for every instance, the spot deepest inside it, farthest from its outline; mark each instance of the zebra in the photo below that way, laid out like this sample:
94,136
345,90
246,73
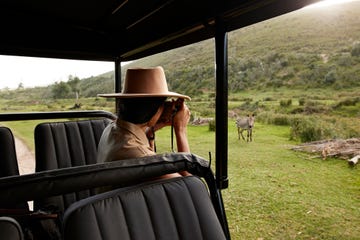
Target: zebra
246,123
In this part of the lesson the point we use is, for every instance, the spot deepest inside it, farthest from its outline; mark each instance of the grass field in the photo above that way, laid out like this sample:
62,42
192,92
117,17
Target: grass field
274,192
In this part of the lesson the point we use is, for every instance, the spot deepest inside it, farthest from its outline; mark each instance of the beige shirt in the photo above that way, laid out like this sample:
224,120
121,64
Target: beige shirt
123,140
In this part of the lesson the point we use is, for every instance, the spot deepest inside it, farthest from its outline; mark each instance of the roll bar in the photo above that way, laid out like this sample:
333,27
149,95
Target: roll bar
55,115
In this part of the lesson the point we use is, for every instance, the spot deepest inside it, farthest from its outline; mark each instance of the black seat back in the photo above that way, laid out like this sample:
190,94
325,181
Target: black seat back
63,145
177,208
8,161
10,229
173,203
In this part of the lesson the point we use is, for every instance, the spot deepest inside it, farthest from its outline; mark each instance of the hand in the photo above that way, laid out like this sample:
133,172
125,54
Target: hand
170,108
167,113
182,117
165,116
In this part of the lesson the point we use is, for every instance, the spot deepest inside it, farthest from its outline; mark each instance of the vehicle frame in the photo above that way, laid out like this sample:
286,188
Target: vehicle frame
121,31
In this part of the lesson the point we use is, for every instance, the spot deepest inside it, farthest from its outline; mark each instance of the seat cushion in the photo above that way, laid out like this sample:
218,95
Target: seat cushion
177,208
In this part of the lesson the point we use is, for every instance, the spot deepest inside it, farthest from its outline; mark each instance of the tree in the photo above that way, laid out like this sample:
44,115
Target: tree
330,77
61,90
74,83
20,86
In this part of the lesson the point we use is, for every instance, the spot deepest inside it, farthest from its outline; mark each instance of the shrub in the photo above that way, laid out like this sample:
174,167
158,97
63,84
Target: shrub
305,130
266,99
308,129
301,101
282,120
352,132
347,102
249,107
330,78
234,99
355,51
207,111
246,99
212,126
273,118
212,95
344,61
297,110
285,103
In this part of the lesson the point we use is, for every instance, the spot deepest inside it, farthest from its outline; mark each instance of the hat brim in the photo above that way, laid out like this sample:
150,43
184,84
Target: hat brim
140,95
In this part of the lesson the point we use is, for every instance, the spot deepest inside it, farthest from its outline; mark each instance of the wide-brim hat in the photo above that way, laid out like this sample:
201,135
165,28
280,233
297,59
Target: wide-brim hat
145,82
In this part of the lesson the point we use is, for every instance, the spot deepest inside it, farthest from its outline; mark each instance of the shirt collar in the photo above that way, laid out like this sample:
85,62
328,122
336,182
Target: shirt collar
133,129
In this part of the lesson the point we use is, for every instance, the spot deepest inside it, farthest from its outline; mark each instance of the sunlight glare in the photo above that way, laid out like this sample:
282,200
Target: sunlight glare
326,3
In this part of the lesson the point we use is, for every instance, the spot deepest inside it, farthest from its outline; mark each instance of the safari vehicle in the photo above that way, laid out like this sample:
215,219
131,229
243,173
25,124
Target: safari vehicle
66,169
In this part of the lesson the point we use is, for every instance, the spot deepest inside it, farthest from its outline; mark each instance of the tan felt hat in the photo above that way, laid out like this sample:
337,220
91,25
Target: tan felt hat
145,82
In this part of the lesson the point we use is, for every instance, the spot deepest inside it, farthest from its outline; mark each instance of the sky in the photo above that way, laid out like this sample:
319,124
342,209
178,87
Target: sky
34,72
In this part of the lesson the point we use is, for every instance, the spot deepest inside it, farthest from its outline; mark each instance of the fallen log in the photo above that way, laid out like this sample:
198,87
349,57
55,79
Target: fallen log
348,149
353,161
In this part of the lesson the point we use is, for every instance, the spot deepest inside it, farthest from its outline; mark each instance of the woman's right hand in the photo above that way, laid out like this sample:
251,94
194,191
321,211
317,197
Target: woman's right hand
182,117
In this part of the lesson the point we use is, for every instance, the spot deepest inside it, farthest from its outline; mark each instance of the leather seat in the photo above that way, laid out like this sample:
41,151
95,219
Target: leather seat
184,208
8,161
177,208
10,229
66,144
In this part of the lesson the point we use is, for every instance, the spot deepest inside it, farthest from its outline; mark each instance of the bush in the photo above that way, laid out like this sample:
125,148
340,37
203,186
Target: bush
282,120
212,126
266,99
246,99
355,51
305,129
297,110
330,78
275,119
301,101
249,106
347,102
285,103
212,95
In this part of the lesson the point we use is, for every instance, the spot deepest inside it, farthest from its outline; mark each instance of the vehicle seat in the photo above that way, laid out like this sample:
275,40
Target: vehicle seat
8,160
10,229
63,145
176,208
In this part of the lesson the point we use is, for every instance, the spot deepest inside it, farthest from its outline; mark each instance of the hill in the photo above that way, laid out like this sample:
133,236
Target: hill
313,47
309,48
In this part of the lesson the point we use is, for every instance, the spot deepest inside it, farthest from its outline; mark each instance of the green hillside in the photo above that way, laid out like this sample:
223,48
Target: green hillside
310,48
313,47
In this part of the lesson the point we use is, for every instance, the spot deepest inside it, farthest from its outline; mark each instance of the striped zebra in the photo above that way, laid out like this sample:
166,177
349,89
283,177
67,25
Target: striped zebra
246,123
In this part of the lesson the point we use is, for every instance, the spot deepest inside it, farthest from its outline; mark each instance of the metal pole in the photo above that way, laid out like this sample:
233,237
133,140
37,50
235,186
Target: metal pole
221,114
117,80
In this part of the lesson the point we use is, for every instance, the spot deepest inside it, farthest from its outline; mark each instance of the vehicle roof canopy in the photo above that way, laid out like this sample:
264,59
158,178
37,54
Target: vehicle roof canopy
122,29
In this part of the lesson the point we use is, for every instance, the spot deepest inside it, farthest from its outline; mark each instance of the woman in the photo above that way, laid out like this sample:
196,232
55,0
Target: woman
142,110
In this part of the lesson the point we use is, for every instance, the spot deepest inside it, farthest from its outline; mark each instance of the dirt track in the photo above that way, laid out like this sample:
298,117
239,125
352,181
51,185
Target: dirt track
26,158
